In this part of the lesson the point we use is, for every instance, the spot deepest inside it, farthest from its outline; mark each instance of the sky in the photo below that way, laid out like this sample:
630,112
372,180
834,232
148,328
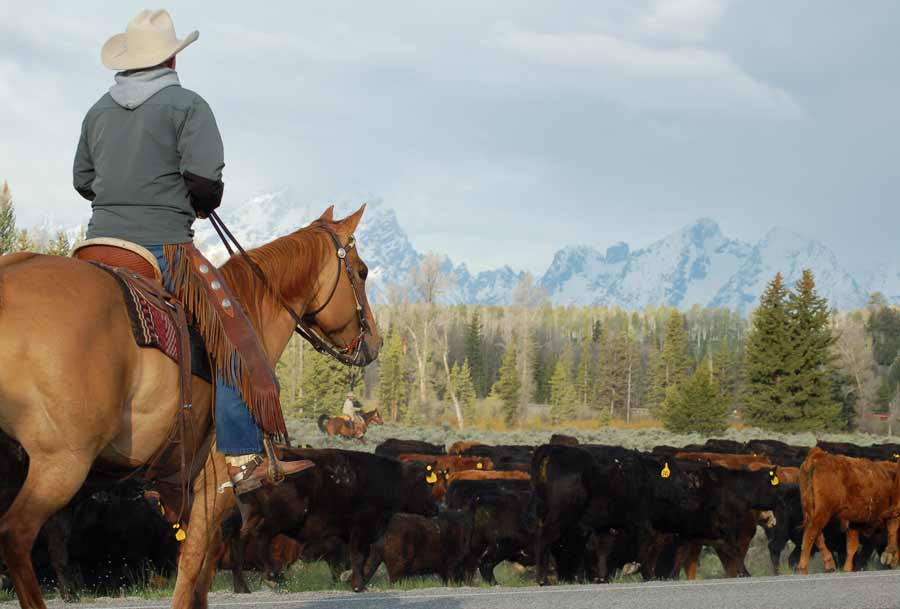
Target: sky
502,131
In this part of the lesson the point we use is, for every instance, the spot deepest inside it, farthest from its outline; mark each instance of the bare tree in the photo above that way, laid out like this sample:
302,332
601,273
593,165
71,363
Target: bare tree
856,358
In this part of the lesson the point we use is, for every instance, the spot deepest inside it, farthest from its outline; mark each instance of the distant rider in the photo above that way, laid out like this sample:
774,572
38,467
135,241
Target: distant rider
353,410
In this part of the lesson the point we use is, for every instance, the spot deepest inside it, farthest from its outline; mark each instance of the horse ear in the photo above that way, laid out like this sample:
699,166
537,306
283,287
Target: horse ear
327,215
348,225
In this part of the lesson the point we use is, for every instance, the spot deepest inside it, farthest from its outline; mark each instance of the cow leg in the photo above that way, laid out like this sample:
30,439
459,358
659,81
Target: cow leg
852,547
692,560
489,560
776,542
376,557
359,553
827,556
238,581
51,483
208,511
55,534
811,534
891,555
546,535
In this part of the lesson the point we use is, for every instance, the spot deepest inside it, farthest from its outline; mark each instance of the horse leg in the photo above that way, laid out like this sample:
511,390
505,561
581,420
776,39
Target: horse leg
195,565
51,482
56,533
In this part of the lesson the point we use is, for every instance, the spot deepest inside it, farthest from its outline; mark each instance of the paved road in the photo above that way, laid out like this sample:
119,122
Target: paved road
854,591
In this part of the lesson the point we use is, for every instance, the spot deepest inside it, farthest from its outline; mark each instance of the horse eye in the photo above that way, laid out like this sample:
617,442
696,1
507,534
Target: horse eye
363,273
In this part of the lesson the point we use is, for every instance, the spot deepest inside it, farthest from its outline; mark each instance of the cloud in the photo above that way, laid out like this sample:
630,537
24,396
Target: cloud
672,80
682,20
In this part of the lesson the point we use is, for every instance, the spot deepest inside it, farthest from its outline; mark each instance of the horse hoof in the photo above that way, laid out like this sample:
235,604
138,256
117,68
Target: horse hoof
271,583
887,558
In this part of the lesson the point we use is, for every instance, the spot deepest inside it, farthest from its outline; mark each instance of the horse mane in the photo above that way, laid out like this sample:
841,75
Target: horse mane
290,265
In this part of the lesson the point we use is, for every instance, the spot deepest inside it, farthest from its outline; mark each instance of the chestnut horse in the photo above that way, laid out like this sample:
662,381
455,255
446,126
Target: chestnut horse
339,426
77,392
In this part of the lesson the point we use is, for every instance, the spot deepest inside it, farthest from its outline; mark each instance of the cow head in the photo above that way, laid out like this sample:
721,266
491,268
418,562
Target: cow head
418,492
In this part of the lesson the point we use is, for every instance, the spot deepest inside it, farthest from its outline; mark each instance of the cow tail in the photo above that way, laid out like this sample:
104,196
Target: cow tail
807,492
322,419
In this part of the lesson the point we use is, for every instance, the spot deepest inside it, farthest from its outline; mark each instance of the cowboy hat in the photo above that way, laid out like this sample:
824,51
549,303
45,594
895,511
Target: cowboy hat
148,41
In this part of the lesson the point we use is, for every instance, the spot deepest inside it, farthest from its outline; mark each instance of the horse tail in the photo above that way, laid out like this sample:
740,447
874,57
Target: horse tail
322,419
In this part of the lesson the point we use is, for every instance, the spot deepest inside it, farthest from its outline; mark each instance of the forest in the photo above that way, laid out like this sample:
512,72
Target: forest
794,365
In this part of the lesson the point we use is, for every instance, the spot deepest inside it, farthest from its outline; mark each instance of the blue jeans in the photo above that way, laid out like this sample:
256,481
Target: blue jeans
236,431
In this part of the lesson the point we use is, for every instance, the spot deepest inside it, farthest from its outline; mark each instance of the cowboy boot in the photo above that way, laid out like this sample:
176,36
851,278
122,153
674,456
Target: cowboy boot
266,470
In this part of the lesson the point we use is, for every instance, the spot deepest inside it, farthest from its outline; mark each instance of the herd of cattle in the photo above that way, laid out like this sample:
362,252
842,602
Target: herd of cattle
575,512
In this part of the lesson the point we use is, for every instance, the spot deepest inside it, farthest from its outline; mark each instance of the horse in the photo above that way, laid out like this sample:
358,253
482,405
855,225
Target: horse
340,426
78,393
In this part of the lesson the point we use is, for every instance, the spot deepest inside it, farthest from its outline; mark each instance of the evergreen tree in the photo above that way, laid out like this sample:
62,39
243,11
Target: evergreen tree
59,245
24,242
508,385
461,376
767,402
811,384
614,370
586,376
695,405
474,353
393,389
725,368
8,232
673,361
563,393
324,385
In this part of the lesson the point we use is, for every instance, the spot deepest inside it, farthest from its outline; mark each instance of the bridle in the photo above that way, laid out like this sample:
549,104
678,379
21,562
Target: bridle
356,353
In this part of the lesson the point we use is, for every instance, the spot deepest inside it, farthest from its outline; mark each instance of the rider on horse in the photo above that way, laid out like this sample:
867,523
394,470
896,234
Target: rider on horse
352,409
150,160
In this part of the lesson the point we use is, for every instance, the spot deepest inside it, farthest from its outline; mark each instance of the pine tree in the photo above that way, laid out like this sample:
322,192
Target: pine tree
673,361
24,242
508,385
811,384
586,375
59,245
563,394
767,401
617,360
8,232
324,385
461,376
695,405
725,367
393,389
474,353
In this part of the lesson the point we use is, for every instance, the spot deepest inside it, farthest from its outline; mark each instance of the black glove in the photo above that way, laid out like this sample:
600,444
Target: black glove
206,194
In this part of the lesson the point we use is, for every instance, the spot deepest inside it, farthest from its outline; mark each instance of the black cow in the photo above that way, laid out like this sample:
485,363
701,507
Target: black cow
656,500
350,495
418,545
394,448
509,457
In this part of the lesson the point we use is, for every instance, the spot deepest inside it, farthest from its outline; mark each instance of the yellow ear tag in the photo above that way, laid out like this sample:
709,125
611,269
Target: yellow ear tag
428,468
162,510
896,455
431,478
774,480
479,466
177,525
180,535
666,472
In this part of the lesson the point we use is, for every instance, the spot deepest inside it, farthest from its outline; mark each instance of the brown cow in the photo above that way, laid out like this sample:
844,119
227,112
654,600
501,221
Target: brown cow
458,448
860,494
725,460
474,474
450,463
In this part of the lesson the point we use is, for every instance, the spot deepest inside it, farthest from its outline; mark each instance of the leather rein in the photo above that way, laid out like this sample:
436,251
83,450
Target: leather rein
354,354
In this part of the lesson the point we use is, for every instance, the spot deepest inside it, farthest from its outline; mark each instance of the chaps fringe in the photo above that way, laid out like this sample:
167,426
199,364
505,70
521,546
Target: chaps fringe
257,387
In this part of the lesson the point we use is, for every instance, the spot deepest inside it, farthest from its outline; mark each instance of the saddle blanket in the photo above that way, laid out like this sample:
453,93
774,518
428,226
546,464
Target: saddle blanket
155,328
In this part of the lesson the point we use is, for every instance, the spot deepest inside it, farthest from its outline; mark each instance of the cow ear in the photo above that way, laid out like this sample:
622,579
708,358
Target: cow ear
348,225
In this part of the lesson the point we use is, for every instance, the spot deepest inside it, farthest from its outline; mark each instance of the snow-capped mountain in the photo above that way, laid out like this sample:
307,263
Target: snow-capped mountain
383,243
697,264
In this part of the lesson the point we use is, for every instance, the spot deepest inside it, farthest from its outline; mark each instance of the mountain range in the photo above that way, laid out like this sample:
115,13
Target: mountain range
697,264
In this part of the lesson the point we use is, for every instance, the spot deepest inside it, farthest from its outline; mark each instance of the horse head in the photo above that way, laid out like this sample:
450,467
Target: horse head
374,418
339,310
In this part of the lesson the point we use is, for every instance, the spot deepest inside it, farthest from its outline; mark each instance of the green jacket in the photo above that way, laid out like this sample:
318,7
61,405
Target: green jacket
150,156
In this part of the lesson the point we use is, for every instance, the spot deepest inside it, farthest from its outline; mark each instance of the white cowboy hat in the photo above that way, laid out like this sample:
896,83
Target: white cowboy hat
148,41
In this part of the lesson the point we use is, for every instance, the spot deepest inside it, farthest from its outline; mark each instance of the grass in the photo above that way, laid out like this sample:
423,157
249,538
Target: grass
642,435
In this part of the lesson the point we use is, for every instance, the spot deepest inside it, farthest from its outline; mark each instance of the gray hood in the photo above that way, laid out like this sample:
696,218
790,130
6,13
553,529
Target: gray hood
134,88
